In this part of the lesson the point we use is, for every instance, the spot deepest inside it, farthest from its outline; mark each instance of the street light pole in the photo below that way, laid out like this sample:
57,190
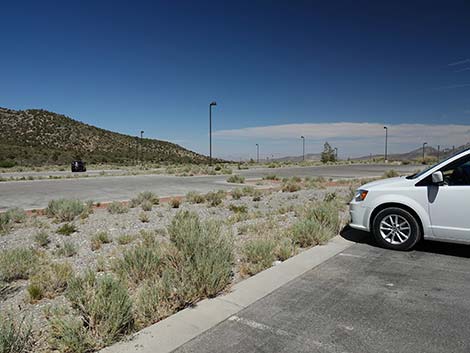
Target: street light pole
257,153
438,152
386,144
141,150
336,153
424,146
212,104
303,147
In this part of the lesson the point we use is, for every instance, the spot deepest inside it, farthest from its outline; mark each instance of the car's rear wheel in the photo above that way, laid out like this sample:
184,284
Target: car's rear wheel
396,228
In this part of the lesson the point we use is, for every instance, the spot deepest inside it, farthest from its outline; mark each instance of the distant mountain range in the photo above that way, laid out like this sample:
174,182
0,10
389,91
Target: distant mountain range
39,137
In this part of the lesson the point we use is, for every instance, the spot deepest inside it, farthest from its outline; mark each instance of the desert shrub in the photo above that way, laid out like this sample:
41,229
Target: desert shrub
238,208
139,263
226,171
326,213
67,229
146,205
99,239
67,334
237,194
175,202
248,190
103,305
307,232
17,263
194,197
390,174
116,207
215,198
285,248
125,239
271,177
67,249
207,253
257,194
5,222
15,334
158,298
290,186
49,281
42,238
236,179
64,210
144,217
16,215
149,197
258,254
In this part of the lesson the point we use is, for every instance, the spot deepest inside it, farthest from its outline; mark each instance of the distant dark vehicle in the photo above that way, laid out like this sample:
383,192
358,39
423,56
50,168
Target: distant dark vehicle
78,166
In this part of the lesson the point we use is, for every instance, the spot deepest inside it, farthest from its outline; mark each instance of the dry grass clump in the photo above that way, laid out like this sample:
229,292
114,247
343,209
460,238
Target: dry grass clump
42,238
392,173
102,314
238,208
67,229
236,179
291,186
17,264
16,215
99,239
116,207
15,334
175,202
144,217
245,191
66,249
258,255
65,210
215,198
194,197
271,177
145,199
49,281
125,239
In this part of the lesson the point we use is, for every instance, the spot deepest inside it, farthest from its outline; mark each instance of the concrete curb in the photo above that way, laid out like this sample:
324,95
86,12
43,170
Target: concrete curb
167,335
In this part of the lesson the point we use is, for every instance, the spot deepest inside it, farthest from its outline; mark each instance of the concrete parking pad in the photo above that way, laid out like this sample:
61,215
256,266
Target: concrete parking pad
365,299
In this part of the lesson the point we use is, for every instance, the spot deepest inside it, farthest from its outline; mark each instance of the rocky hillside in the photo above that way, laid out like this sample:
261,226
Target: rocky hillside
39,137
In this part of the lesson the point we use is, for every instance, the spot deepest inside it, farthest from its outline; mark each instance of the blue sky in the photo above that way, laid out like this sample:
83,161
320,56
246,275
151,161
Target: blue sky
291,66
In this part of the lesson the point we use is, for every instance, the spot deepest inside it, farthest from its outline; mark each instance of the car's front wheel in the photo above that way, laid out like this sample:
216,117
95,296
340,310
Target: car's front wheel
396,228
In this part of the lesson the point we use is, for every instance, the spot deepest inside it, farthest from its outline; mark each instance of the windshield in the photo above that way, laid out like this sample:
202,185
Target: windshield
424,171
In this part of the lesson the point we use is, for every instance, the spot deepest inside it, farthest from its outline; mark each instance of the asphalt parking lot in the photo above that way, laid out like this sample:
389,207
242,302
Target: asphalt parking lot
366,299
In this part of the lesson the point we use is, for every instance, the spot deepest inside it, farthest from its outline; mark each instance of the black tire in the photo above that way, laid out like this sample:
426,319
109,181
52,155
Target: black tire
414,234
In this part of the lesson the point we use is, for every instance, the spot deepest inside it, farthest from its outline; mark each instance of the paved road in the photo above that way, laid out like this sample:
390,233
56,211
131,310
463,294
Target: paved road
37,193
364,300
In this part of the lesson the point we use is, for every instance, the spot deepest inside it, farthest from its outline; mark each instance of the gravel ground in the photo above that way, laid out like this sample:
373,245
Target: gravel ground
274,206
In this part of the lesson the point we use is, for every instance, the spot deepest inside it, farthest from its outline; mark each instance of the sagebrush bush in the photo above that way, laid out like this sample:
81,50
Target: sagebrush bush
67,229
326,213
215,198
15,334
67,249
194,197
99,239
64,210
237,194
207,251
42,238
390,174
116,207
68,334
49,281
236,179
309,231
146,205
144,217
125,239
290,186
103,305
238,208
258,255
16,215
17,263
271,177
142,262
148,196
5,222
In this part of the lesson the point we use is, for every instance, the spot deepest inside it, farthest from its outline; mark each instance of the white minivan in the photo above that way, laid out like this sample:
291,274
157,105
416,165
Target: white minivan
432,204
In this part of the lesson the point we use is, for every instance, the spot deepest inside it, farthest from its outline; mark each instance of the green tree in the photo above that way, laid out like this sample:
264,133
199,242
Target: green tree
328,154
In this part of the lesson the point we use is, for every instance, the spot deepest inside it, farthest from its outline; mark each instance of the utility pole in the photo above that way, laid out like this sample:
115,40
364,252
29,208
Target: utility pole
257,153
386,144
438,152
212,104
141,148
303,147
424,148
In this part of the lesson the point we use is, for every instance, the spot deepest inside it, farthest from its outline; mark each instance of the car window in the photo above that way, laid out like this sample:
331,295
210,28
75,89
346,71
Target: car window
457,173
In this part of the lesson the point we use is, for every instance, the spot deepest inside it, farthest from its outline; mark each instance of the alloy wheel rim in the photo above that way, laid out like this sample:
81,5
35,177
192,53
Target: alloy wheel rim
395,229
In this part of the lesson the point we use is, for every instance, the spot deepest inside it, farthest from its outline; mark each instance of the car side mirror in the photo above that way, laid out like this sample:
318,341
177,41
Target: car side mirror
437,177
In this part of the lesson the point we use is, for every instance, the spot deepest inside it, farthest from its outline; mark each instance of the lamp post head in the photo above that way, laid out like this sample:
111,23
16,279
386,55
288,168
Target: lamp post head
213,104
386,128
302,137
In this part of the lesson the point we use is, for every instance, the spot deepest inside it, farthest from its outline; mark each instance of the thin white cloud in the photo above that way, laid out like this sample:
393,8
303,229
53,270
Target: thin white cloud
459,62
464,69
453,86
451,134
